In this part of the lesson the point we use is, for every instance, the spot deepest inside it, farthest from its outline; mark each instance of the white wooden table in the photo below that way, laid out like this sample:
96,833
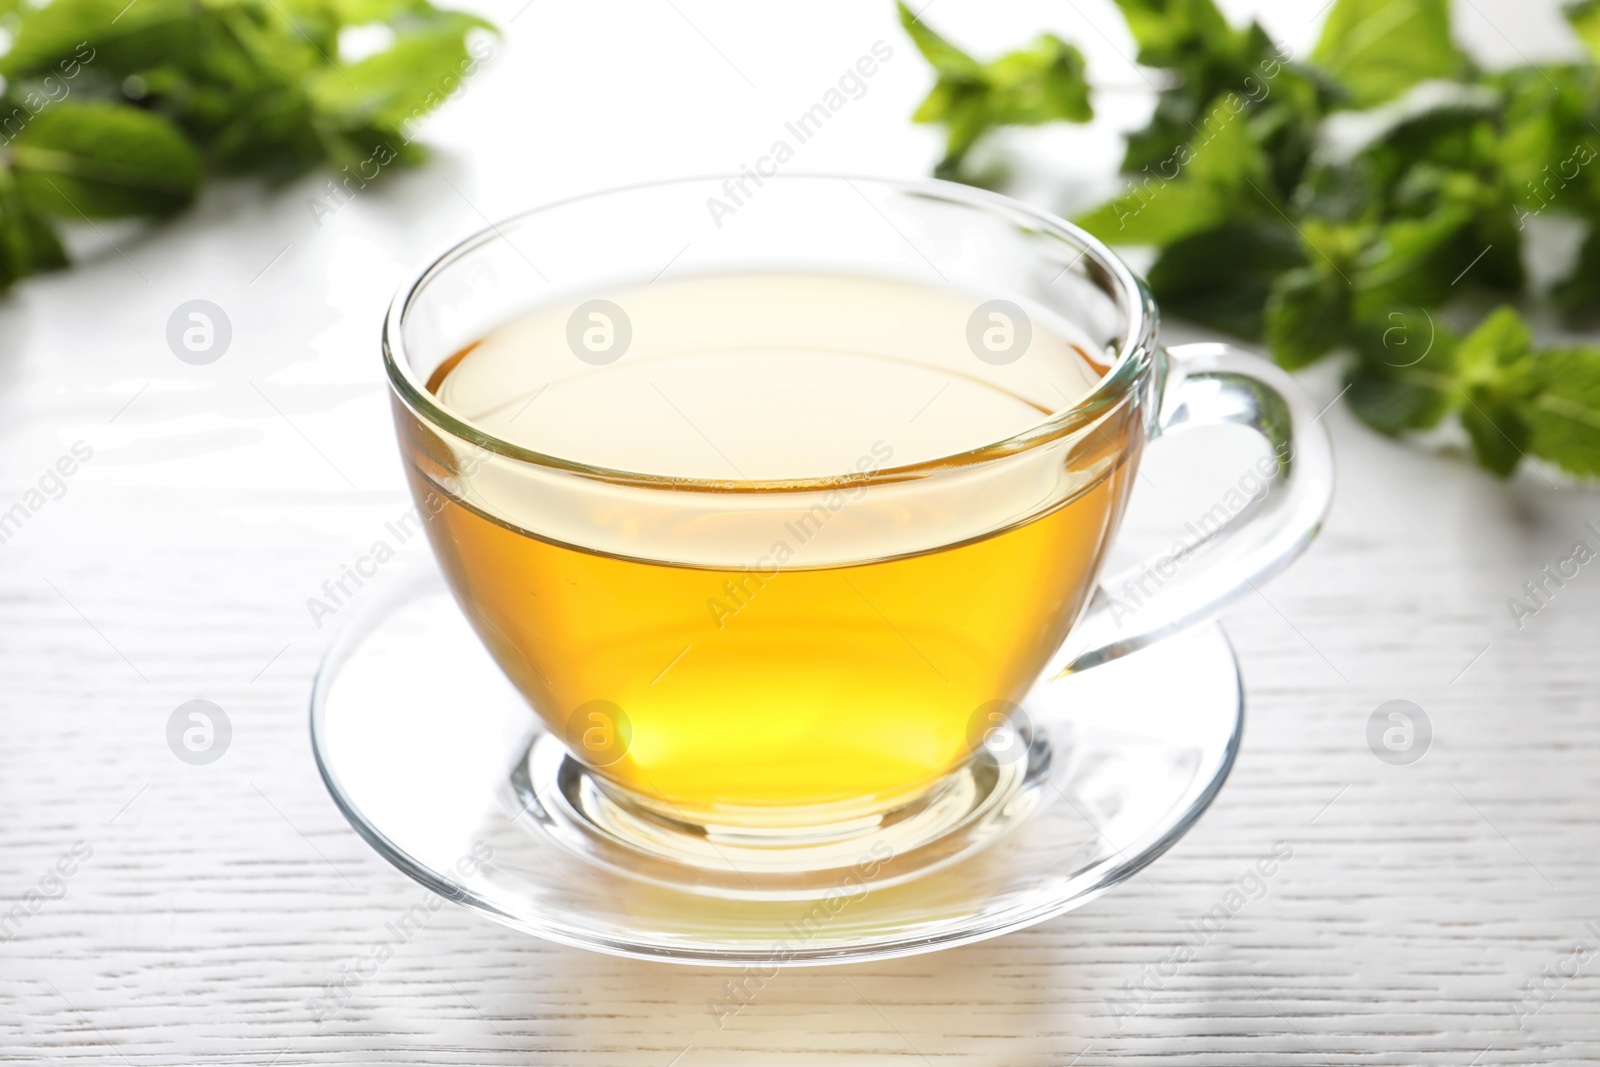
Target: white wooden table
206,905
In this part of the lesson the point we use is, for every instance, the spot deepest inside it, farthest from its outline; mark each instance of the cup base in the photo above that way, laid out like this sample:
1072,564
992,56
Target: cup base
965,808
433,757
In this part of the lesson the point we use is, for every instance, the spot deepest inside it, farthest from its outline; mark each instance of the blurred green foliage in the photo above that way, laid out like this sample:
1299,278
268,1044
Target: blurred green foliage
1267,228
114,108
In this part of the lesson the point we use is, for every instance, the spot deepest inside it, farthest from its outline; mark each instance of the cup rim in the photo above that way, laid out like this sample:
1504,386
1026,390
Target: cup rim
1133,358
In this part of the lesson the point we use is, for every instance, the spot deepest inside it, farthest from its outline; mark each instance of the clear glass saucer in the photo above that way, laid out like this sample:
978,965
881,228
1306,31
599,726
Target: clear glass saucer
439,763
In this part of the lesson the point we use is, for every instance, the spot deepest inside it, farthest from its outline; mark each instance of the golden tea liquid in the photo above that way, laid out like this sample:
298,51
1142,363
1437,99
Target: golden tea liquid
731,650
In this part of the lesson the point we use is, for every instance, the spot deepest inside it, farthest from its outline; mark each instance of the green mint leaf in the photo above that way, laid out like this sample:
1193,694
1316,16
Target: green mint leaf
364,12
1213,62
1411,262
28,245
1309,310
1379,48
1547,144
240,99
1158,214
1495,376
1222,278
1453,135
99,160
1286,121
250,45
1339,193
1502,340
1177,33
32,242
1393,404
1499,438
392,92
307,24
1585,19
1518,401
1307,315
959,97
1403,377
1209,62
1217,178
1169,129
110,37
1563,419
1039,84
948,61
1578,294
1229,158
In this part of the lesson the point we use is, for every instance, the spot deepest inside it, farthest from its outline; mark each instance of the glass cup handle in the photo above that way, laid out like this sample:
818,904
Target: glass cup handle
1242,540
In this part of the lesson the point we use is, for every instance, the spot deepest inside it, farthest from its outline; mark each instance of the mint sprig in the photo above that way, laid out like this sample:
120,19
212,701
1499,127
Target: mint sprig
1041,83
113,109
1263,230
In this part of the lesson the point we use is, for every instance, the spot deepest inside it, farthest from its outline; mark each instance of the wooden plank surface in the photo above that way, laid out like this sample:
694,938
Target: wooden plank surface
207,905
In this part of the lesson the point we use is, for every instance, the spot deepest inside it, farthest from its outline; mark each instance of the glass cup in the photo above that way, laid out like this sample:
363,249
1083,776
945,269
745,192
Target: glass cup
775,497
